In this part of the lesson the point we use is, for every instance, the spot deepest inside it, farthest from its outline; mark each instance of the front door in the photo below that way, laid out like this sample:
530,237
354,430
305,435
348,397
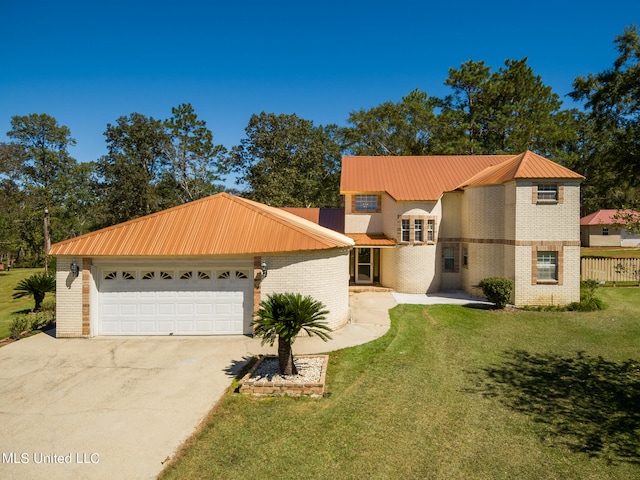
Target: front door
364,265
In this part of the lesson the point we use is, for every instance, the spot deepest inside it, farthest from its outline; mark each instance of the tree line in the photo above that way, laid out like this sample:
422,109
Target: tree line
284,160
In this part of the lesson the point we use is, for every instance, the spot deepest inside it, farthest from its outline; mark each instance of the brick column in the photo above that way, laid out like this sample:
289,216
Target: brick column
86,293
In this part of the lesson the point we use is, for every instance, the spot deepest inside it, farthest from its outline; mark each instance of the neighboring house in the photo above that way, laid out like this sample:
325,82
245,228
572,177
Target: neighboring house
424,224
598,230
196,269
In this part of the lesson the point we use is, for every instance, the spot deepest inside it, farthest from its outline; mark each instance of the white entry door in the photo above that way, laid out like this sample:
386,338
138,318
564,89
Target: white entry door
174,301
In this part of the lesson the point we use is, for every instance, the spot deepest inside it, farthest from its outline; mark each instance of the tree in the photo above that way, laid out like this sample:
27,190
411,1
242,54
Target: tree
138,156
463,114
45,160
38,174
37,285
402,128
612,102
284,316
288,162
507,111
194,157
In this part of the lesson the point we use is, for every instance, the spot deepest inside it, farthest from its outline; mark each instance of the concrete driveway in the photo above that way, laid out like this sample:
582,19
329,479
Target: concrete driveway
118,407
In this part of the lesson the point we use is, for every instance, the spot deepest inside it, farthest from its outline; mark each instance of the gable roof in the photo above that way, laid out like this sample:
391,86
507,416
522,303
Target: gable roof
603,217
428,177
221,224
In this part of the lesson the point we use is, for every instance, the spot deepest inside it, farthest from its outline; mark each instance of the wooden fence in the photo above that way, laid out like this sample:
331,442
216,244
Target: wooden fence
607,269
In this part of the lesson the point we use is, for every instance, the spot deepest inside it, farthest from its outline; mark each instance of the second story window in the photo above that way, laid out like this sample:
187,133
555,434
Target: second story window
366,203
548,192
417,231
406,225
431,227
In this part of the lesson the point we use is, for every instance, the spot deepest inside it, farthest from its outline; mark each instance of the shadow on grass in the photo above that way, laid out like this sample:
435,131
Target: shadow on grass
584,403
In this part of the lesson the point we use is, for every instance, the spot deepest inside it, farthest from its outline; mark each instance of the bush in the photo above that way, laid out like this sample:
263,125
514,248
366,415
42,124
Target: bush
497,290
18,325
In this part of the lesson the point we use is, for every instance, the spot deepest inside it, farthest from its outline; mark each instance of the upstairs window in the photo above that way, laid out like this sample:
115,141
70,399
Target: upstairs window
366,203
405,230
431,228
547,192
417,231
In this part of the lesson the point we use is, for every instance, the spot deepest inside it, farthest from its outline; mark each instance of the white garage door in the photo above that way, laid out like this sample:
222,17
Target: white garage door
174,301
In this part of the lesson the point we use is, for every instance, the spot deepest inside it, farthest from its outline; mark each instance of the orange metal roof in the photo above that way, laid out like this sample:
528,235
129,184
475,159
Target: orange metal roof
371,240
603,217
525,165
428,177
221,224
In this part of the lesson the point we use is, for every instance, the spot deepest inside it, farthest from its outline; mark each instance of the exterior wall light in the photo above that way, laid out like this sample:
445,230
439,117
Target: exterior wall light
263,266
75,268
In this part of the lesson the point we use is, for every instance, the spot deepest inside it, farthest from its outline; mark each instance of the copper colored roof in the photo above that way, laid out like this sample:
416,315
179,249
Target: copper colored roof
217,225
428,177
371,240
526,165
604,217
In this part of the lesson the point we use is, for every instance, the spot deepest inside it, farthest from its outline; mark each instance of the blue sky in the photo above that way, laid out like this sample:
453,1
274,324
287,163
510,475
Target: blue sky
88,62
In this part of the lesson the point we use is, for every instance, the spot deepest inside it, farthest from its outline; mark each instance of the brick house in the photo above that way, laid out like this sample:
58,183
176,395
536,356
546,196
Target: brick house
414,224
425,224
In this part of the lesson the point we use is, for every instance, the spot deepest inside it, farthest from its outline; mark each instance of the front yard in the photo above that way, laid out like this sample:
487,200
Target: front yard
9,307
450,392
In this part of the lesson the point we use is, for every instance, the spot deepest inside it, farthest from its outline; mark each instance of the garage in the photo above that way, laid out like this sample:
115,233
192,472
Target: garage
200,268
169,300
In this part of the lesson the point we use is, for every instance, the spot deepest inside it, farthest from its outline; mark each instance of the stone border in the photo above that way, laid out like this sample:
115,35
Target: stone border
284,388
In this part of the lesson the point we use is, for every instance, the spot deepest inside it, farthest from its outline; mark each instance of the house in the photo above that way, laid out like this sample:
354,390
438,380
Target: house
201,268
431,223
598,230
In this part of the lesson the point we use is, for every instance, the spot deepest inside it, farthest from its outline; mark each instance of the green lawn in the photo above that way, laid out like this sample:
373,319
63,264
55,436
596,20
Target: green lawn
450,393
8,306
615,252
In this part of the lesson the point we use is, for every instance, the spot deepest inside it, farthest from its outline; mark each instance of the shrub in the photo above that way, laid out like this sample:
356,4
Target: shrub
37,285
18,325
497,290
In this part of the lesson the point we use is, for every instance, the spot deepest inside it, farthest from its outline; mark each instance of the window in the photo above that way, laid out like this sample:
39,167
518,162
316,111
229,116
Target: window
431,226
224,275
128,275
547,266
449,259
404,229
204,276
166,275
241,275
465,257
417,231
110,275
188,275
366,203
548,193
605,230
148,275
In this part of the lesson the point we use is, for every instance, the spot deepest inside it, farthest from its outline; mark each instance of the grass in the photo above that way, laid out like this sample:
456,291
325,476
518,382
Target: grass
8,306
613,252
449,392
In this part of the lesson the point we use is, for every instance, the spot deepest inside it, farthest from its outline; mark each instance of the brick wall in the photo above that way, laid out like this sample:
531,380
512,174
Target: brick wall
68,299
322,274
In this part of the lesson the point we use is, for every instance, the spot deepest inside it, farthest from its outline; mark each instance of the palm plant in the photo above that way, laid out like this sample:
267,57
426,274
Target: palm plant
283,316
37,285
